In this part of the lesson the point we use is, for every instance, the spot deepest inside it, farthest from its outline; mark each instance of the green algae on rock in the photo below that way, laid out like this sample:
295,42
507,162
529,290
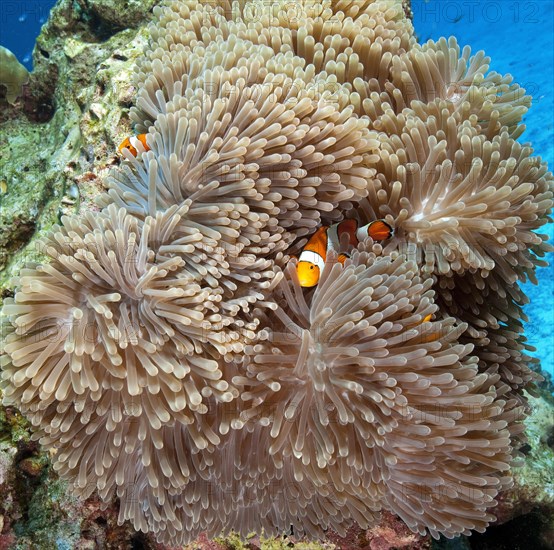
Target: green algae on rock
40,161
534,479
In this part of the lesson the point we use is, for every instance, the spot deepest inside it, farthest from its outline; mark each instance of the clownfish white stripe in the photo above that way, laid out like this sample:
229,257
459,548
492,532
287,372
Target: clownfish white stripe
361,233
313,258
134,144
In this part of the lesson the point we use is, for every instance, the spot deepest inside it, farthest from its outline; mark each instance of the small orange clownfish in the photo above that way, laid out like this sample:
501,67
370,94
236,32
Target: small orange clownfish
127,143
312,258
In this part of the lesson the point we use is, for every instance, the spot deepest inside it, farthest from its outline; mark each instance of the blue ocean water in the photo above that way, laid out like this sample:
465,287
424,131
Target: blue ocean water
517,34
20,24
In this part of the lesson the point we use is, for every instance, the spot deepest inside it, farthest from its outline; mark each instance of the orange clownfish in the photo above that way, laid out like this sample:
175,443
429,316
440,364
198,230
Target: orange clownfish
312,259
127,143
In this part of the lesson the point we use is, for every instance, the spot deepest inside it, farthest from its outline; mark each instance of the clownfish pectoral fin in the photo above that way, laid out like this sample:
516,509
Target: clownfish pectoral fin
342,258
379,230
426,319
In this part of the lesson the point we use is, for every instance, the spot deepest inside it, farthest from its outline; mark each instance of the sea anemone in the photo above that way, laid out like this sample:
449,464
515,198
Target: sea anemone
352,377
110,319
462,201
167,350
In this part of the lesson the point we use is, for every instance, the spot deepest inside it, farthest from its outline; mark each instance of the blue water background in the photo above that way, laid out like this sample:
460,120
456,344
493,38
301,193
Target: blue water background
517,34
20,24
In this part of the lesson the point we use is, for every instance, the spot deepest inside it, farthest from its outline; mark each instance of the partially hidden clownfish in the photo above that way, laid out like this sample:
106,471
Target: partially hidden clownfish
312,258
127,143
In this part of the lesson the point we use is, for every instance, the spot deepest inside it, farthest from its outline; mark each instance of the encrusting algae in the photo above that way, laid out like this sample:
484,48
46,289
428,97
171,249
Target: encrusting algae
168,350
